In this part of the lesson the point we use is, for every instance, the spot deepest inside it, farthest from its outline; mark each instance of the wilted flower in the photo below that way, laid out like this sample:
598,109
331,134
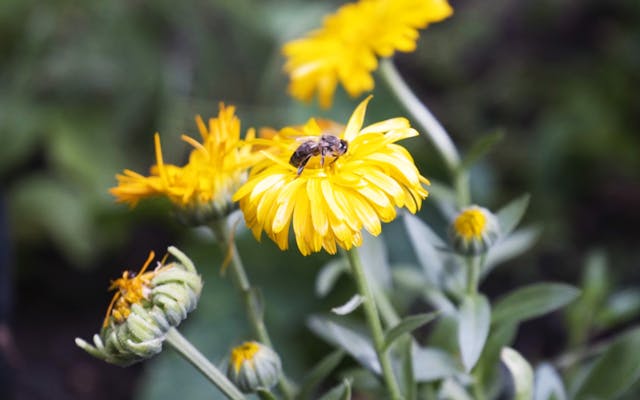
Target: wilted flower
338,192
346,49
201,190
143,309
253,366
474,230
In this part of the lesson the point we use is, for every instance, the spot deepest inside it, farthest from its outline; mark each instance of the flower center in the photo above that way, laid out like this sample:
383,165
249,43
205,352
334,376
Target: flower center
470,224
242,353
131,289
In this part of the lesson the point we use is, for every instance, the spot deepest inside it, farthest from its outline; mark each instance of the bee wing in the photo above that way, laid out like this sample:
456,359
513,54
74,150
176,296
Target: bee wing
303,139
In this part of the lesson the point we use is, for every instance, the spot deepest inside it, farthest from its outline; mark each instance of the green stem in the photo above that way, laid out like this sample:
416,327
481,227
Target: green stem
431,127
478,389
252,304
391,318
191,354
373,320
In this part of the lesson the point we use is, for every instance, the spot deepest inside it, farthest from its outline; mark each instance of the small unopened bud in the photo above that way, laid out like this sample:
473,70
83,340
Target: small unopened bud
254,366
143,309
474,230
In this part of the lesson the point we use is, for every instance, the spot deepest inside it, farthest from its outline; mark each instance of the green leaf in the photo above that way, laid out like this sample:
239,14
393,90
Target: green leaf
432,364
340,392
521,373
424,243
510,215
329,274
510,247
373,254
595,279
500,336
532,301
548,384
480,148
474,319
444,332
349,339
621,306
319,373
615,370
408,324
452,390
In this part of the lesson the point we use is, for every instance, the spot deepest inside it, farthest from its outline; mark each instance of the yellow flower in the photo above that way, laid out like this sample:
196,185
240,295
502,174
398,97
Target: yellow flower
202,188
346,48
254,366
330,202
146,305
474,230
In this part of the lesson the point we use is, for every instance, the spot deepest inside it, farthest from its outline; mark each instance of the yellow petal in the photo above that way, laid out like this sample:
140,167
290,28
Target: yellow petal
318,214
387,125
356,120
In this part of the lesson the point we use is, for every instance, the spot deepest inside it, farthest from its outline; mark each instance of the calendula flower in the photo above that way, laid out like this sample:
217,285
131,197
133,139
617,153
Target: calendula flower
474,230
346,49
143,309
201,190
354,178
253,366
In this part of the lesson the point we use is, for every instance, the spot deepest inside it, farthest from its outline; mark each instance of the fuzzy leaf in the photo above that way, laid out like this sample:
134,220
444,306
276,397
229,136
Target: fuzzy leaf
425,242
328,276
408,324
521,373
532,301
510,215
352,341
614,371
319,373
340,392
431,364
474,319
480,148
548,384
510,247
373,254
348,307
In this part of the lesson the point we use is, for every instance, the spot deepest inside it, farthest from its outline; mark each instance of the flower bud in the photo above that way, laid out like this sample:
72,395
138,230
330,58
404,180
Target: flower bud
253,366
143,309
474,230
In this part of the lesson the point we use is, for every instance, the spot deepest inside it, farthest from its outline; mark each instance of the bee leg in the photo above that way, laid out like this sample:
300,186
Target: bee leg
323,153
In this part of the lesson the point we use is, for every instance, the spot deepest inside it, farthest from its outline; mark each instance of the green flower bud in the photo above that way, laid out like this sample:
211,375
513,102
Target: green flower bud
474,230
143,309
254,366
205,213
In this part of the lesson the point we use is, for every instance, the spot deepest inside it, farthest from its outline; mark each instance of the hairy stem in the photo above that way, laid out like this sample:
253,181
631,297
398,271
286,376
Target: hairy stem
373,321
251,302
191,354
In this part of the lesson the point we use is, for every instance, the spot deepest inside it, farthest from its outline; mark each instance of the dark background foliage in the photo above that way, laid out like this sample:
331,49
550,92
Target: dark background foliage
84,85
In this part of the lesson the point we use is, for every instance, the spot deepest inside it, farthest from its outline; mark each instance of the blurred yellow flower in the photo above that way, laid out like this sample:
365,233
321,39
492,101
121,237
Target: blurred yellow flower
202,188
332,197
346,48
474,230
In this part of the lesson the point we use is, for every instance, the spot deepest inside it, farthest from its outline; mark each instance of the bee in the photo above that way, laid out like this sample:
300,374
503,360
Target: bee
326,145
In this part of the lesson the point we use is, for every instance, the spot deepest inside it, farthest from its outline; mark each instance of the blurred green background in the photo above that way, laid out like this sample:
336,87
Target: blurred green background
85,84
